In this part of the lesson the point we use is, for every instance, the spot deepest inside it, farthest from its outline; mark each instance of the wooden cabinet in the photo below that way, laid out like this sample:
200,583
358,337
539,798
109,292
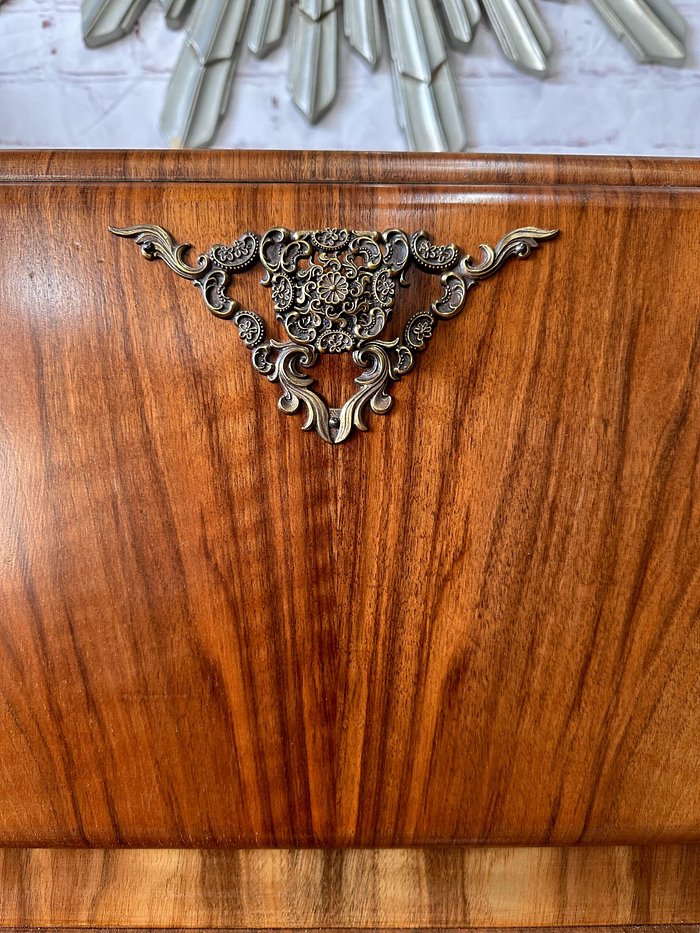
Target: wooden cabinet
477,623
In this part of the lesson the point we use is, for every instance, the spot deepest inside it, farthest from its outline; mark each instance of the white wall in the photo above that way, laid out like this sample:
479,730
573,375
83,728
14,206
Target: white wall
56,93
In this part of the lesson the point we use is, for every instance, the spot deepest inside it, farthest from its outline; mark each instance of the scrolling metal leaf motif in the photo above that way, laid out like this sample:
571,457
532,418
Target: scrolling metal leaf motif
334,291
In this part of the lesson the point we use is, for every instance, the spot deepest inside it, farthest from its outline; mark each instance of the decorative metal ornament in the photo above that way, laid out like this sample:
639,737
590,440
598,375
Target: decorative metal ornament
426,97
334,291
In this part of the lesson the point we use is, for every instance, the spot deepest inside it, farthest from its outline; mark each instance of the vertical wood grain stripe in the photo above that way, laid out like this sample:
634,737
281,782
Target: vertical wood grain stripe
398,888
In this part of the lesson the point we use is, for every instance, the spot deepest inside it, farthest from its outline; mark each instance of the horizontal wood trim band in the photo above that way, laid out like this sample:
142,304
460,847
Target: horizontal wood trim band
351,889
360,168
625,928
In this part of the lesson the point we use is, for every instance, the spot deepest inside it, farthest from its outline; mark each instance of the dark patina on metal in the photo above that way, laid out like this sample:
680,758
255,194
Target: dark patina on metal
334,291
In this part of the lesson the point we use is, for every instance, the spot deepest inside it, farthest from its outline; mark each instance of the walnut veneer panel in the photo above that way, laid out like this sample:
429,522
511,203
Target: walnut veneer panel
477,622
355,889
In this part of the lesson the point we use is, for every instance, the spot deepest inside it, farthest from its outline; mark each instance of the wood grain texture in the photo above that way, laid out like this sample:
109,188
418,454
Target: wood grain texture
349,168
350,889
599,928
476,623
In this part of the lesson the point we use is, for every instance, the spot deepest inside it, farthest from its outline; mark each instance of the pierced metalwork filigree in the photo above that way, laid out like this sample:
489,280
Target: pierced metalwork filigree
334,291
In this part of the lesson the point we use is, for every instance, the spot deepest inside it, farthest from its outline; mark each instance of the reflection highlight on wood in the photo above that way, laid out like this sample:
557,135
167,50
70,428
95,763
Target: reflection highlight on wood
477,623
397,888
250,166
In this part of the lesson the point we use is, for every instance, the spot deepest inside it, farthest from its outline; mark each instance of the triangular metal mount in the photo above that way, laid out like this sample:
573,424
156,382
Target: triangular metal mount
334,291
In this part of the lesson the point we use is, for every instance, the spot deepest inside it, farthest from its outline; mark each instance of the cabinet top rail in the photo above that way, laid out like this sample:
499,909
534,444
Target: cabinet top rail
361,168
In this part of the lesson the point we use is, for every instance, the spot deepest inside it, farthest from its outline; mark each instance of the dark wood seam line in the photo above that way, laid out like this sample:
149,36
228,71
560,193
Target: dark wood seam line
499,187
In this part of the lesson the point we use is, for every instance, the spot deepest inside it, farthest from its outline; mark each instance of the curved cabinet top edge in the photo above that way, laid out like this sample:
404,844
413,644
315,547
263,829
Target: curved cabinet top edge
361,168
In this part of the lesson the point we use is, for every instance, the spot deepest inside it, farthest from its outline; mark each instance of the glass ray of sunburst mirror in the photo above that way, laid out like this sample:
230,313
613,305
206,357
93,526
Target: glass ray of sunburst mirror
419,31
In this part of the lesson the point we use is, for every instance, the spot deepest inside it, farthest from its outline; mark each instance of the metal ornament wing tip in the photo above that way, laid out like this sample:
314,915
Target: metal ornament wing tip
517,243
156,243
334,291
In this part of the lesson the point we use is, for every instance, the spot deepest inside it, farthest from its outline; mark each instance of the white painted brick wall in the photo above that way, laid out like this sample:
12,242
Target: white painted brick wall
56,93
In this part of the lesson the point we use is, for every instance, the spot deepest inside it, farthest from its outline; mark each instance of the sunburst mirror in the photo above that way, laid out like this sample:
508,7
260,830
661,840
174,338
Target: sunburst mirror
419,32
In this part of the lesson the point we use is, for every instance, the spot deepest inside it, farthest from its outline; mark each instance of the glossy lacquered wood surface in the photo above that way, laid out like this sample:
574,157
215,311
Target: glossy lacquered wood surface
351,889
476,623
355,168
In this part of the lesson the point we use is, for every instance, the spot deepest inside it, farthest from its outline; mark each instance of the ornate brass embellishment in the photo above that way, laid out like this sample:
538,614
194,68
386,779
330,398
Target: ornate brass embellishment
334,291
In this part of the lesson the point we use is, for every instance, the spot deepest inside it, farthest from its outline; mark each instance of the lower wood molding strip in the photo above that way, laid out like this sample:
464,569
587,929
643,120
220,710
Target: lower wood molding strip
624,928
350,889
